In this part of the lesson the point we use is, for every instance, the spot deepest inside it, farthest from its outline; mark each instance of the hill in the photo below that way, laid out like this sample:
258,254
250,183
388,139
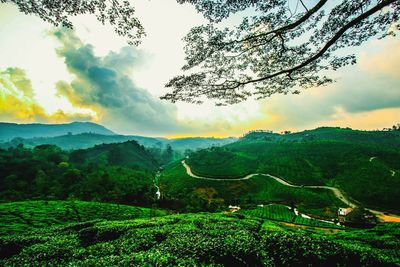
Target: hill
195,143
381,138
81,141
9,131
87,140
183,192
368,174
128,154
199,240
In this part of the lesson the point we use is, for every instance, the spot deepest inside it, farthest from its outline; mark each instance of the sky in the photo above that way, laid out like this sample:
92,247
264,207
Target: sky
54,75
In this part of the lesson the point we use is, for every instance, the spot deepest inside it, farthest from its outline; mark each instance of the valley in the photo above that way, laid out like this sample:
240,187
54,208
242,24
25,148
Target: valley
243,197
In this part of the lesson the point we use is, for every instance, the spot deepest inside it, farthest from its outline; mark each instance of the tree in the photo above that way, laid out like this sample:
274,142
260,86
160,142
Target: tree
280,46
120,14
168,154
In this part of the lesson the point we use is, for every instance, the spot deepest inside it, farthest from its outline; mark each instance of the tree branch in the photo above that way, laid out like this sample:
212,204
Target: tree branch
301,1
331,42
293,25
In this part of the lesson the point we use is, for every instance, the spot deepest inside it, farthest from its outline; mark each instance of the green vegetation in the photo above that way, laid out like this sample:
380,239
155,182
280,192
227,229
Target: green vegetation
119,173
369,174
382,138
25,216
190,239
128,154
190,194
57,227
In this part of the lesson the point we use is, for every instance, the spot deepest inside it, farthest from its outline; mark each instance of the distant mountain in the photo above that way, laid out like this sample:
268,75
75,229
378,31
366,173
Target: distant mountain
194,143
86,140
9,131
81,141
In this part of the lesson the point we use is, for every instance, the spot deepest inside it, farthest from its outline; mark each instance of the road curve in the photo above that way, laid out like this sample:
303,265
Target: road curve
335,190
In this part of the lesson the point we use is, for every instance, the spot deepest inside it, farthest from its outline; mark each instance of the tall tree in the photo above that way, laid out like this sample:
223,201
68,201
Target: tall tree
120,14
280,46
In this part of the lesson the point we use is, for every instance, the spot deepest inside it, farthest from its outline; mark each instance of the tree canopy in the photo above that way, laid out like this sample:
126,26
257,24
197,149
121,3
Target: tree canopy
280,46
119,14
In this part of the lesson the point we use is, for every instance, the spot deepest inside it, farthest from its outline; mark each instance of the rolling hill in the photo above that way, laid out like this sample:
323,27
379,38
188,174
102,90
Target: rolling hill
381,138
369,174
87,140
9,131
128,154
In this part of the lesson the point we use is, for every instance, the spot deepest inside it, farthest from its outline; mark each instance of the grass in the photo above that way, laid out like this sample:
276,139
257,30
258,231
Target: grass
20,217
187,240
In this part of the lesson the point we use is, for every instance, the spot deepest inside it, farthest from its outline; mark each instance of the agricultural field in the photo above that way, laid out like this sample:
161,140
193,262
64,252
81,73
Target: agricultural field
202,239
24,216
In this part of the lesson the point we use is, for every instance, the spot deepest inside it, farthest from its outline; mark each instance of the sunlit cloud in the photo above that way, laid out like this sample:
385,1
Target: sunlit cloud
18,103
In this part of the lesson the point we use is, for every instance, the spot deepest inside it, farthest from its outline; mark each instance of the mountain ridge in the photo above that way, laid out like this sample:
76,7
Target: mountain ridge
9,131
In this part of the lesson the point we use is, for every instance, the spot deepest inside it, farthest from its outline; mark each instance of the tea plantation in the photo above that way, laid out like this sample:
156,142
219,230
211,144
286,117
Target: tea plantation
24,216
202,239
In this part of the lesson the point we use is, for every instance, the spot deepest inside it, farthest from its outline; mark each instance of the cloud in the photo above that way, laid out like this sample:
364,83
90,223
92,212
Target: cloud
104,85
18,104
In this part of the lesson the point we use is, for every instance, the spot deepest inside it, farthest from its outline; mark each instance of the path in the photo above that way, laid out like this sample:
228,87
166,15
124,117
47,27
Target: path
392,172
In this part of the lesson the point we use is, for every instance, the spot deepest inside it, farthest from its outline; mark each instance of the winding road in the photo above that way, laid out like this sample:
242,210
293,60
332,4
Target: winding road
335,190
384,216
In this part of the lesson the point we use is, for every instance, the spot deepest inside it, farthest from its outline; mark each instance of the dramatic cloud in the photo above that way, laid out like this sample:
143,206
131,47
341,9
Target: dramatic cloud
17,102
103,84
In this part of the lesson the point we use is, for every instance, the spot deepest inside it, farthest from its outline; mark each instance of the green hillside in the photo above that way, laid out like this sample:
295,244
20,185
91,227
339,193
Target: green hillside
381,138
198,240
190,194
369,174
25,216
129,154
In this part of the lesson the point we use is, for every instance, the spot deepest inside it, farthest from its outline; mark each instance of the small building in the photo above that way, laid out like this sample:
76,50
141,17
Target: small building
342,213
233,208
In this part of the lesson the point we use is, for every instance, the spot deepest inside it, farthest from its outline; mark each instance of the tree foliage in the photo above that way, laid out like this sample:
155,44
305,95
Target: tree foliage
119,14
279,47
